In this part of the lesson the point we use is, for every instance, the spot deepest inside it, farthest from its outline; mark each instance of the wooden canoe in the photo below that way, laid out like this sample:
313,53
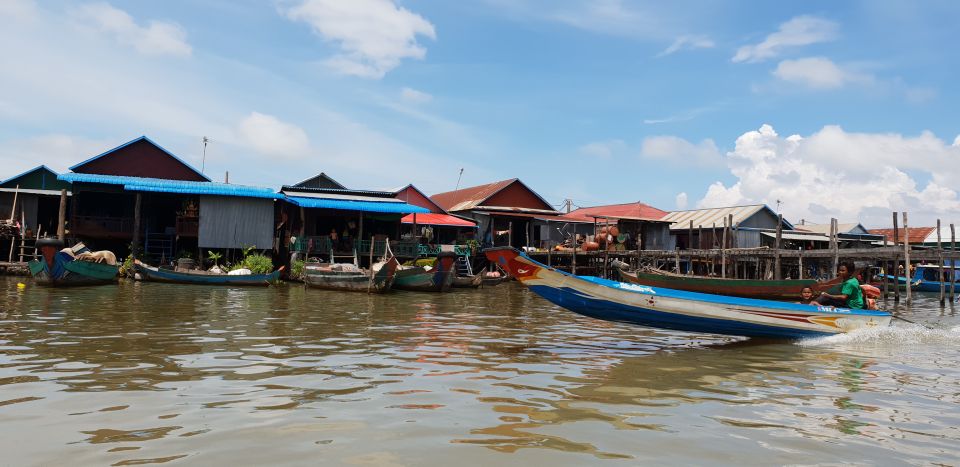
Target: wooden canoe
70,272
154,274
322,276
419,279
746,288
469,282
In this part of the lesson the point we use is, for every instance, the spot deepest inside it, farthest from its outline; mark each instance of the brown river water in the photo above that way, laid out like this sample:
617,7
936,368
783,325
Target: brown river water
189,375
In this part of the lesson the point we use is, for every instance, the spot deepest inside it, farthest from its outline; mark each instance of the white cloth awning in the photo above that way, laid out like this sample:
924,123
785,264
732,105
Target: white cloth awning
798,237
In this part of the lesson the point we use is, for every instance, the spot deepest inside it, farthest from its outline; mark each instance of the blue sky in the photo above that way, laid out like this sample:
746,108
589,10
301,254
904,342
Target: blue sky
679,104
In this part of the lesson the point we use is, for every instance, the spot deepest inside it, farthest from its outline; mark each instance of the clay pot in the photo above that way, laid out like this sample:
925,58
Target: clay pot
590,246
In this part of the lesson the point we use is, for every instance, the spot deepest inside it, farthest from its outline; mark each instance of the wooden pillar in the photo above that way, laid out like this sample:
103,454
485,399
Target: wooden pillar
62,216
906,257
800,263
943,266
606,251
690,236
510,234
886,268
896,261
777,275
573,259
676,258
414,233
723,251
834,227
136,225
303,221
953,264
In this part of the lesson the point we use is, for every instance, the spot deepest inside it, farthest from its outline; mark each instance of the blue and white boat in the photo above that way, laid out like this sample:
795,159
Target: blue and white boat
927,277
680,310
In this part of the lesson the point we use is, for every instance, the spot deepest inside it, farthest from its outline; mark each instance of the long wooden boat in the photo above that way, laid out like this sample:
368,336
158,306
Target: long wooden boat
928,277
746,288
326,276
67,271
420,279
469,282
155,274
680,310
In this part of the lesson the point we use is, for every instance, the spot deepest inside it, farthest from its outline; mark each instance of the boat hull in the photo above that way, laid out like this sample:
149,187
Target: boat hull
73,273
360,281
153,274
419,279
746,288
681,310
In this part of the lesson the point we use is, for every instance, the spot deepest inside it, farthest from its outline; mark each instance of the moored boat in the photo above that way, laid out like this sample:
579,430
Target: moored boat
155,274
681,310
378,279
928,278
436,278
60,267
747,288
469,281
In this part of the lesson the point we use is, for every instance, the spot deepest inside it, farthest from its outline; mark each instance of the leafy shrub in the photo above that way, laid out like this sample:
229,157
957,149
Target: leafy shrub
296,269
256,263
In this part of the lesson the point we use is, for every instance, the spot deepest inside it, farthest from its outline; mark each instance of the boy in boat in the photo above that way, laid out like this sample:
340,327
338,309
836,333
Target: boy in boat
806,295
850,296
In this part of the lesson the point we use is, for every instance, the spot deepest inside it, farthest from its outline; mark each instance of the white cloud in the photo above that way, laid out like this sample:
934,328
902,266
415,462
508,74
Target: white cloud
56,151
680,152
687,43
681,201
417,97
797,32
156,38
270,136
601,149
374,35
818,73
851,176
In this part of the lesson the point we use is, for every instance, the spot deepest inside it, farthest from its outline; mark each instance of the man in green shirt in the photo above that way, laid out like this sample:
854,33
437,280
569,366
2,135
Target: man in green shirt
850,296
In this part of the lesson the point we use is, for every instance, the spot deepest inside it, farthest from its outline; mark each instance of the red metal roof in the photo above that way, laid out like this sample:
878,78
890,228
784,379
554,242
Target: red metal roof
468,198
917,234
628,210
438,219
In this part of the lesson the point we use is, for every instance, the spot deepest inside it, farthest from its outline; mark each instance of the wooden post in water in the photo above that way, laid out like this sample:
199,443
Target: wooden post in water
953,265
573,260
606,251
777,275
136,226
943,266
835,228
62,216
723,251
800,262
896,261
370,264
886,268
690,246
676,258
906,257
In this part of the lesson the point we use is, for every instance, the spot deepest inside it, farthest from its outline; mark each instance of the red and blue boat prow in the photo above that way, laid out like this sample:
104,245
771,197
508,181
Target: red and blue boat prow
679,310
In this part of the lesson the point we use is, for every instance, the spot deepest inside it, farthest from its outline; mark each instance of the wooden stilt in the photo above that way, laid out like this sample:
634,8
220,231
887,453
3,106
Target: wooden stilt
776,258
943,266
896,261
62,216
953,265
906,257
136,226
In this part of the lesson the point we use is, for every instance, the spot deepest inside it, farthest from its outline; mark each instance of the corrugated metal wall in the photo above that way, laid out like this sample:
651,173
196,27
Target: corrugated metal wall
234,222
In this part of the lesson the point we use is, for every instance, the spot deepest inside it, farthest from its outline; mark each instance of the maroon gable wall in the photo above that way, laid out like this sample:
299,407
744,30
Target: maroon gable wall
412,196
140,159
517,196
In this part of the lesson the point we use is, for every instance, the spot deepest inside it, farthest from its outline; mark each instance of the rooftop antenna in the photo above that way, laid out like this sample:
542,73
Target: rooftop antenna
458,179
203,162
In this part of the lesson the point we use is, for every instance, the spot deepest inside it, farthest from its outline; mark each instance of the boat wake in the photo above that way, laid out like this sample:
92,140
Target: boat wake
899,335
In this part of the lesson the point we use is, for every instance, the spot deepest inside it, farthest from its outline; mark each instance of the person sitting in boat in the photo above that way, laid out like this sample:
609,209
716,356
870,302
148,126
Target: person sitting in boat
850,296
806,295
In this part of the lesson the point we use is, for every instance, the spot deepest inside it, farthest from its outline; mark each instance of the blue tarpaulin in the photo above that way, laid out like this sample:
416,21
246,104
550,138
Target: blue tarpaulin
159,185
349,205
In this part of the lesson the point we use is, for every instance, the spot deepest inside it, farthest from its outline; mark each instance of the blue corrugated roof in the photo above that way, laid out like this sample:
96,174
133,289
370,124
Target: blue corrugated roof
142,138
365,206
159,185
